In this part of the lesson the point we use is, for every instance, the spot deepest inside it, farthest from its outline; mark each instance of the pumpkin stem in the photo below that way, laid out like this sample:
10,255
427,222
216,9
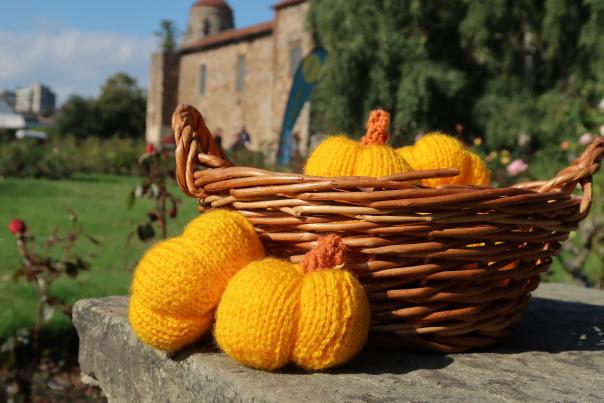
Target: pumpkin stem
377,128
328,254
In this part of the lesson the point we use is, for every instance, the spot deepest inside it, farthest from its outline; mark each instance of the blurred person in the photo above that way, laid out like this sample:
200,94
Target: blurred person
296,160
218,136
243,141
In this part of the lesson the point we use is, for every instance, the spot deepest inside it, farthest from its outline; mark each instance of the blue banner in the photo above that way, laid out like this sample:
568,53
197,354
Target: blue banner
306,78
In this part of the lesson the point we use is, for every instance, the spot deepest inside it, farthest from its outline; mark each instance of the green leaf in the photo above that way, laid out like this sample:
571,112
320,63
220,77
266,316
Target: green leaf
145,232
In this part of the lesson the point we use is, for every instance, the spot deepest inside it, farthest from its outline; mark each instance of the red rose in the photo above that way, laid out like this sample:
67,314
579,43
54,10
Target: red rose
149,149
17,226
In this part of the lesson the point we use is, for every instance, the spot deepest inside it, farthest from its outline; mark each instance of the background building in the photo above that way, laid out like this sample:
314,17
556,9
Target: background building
36,99
235,77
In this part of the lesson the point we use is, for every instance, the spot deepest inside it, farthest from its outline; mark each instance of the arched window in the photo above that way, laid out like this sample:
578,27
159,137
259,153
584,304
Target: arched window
206,27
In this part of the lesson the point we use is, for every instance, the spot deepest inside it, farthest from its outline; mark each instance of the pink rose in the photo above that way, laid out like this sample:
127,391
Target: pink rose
586,138
516,167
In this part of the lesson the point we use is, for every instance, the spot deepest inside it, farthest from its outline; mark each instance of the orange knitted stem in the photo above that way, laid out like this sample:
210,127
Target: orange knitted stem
377,128
328,254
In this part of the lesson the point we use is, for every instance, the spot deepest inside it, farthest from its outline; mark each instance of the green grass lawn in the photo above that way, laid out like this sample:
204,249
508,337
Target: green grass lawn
100,202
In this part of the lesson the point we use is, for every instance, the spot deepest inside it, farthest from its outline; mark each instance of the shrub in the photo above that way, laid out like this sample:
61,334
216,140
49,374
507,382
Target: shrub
62,157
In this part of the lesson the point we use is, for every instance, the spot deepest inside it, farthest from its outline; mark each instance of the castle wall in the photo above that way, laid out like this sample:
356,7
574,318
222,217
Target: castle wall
161,95
222,104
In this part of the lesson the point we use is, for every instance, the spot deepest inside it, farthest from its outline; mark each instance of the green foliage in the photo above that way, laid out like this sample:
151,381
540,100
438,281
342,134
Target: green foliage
167,35
247,158
28,158
121,107
118,111
381,54
77,117
503,69
62,157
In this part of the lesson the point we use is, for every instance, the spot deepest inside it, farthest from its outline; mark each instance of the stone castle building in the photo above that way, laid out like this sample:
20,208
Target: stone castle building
235,77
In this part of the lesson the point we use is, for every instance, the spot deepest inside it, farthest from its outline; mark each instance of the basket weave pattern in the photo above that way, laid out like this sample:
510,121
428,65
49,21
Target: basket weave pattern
445,269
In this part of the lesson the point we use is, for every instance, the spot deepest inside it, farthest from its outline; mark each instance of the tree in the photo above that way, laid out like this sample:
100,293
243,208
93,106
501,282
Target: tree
121,107
384,54
501,68
167,35
118,111
77,117
539,65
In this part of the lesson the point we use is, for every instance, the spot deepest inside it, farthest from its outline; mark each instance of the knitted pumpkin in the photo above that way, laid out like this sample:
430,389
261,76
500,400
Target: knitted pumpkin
314,314
335,156
340,156
178,282
479,174
437,150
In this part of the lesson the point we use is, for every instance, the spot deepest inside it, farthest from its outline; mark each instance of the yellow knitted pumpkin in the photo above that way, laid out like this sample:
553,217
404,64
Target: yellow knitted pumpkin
178,282
479,173
340,156
335,156
437,150
314,315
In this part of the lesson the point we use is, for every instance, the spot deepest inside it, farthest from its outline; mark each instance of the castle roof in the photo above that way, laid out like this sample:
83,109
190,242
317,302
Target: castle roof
230,35
213,3
287,3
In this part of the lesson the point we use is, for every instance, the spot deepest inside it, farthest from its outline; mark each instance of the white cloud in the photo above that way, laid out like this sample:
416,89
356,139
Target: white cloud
71,61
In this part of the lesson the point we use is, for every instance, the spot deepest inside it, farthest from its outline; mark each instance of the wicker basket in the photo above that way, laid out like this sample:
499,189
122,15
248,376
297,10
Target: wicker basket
445,269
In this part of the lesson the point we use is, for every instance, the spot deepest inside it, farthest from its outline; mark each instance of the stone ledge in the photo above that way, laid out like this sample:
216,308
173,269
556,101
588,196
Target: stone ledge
556,354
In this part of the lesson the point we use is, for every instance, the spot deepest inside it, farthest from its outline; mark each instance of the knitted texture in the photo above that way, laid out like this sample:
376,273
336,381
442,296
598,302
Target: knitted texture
273,313
478,174
165,331
335,156
333,320
257,316
437,150
376,161
178,282
377,128
328,253
407,153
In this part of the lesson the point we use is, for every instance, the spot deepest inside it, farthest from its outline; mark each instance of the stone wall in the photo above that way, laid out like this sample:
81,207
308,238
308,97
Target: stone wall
161,95
222,105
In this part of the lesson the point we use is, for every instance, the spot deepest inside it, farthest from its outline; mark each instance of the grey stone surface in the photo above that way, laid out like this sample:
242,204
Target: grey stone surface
556,354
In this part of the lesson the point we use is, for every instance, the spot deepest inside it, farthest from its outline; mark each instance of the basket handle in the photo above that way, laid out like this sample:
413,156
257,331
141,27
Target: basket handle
194,145
579,170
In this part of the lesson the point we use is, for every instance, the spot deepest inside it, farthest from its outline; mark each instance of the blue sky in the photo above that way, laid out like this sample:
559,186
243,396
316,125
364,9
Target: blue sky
73,45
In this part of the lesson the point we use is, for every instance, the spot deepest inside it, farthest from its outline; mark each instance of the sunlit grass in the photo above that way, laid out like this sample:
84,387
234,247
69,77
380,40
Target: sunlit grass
100,202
